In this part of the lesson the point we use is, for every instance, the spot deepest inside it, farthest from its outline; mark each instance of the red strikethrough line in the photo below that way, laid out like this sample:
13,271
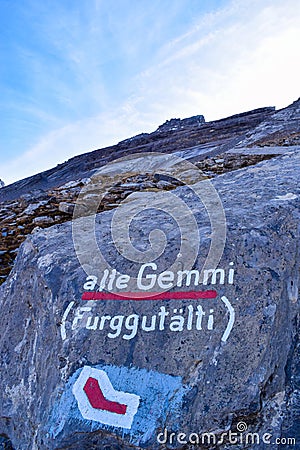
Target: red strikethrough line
169,295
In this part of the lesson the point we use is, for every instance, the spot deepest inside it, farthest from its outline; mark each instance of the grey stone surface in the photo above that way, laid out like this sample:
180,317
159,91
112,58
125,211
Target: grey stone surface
188,381
65,207
42,219
270,150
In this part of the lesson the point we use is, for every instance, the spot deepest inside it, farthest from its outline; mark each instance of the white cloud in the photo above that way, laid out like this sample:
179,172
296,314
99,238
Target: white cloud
248,61
76,138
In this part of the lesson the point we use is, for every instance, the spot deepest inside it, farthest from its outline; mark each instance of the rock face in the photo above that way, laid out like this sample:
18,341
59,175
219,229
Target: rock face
47,194
178,124
142,354
220,133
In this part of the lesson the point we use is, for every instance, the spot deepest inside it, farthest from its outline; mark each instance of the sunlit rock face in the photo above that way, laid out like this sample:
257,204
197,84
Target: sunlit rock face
169,317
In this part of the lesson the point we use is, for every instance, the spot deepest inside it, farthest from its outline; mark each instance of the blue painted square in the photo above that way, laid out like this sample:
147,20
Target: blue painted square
161,395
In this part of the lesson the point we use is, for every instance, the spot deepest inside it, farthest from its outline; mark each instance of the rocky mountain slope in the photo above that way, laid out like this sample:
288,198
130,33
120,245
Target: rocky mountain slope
228,365
215,147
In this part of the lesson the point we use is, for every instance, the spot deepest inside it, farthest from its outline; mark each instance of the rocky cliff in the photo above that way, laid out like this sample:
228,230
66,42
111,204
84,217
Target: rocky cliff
150,292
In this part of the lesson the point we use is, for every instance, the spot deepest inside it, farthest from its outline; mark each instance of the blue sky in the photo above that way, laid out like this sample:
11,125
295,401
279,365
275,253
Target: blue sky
76,75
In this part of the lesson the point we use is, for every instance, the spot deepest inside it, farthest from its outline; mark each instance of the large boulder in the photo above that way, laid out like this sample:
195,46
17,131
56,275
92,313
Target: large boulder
82,368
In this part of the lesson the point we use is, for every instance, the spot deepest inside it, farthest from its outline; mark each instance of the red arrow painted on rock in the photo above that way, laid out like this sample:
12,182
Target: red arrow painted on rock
97,399
168,295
